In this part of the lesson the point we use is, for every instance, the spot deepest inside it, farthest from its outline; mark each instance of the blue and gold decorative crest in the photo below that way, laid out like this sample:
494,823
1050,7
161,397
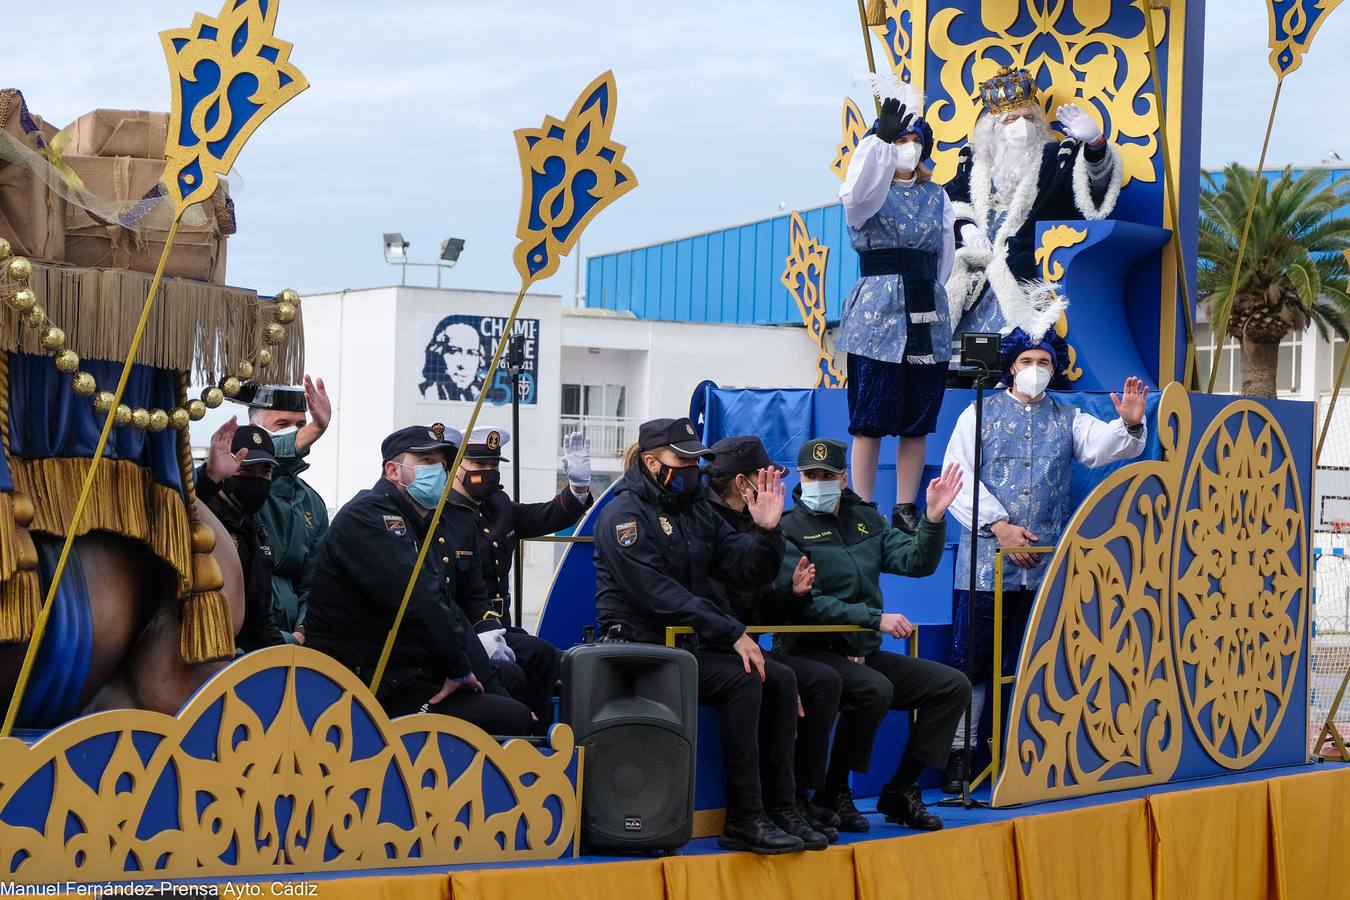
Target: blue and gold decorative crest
895,34
852,128
804,277
228,74
571,171
283,762
1293,25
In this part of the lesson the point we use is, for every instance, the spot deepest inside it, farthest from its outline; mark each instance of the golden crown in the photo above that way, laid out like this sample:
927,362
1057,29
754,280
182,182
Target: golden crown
1009,89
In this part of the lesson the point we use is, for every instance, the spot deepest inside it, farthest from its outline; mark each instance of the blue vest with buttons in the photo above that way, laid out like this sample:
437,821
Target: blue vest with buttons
1028,453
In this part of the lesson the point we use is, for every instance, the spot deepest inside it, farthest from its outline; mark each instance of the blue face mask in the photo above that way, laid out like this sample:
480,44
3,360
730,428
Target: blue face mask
821,496
428,484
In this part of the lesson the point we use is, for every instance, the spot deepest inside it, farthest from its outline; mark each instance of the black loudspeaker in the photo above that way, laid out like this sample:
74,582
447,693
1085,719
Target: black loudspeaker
634,707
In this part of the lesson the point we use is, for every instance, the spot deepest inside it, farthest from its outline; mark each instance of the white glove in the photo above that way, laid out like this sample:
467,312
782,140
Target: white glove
576,461
494,642
975,239
1078,124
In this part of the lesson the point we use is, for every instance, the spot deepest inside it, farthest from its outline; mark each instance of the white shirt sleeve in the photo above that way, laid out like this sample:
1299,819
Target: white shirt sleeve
1096,443
871,169
961,450
948,241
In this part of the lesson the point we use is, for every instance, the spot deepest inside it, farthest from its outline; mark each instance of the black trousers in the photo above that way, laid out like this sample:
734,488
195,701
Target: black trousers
539,663
819,688
759,728
493,711
887,681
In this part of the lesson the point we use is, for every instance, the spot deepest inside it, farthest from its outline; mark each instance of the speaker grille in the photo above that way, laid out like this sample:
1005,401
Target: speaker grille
636,786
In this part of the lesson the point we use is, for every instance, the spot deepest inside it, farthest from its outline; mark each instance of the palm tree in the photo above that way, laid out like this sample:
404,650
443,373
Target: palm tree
1293,273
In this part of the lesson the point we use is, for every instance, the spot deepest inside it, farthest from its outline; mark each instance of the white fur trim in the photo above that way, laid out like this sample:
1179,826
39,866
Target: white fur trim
926,318
885,86
926,360
963,210
967,271
1001,278
1082,191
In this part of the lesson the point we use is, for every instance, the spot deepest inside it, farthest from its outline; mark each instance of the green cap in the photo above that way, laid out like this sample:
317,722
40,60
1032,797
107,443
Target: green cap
823,453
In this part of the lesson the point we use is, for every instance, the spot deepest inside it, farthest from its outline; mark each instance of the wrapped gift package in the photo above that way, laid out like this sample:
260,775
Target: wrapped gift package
119,132
32,215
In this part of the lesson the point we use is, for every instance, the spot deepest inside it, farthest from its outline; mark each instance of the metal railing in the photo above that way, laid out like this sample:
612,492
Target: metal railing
609,435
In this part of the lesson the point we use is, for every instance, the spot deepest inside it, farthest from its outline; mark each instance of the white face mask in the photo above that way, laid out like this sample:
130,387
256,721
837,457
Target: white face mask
289,429
907,157
1018,132
1031,381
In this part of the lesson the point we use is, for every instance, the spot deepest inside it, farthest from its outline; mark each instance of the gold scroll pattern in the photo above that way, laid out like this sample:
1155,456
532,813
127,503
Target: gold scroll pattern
1075,52
895,35
1194,596
804,277
852,127
262,797
1059,238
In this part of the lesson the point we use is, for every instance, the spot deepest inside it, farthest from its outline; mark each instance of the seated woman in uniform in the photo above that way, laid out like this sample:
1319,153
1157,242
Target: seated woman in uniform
657,544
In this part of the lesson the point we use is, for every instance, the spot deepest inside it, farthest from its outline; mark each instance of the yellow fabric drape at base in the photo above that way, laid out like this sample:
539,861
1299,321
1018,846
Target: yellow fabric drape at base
604,881
408,887
1213,842
818,875
1111,857
1309,816
960,864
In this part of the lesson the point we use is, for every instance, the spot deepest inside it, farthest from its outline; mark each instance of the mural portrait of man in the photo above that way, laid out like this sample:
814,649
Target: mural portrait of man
456,359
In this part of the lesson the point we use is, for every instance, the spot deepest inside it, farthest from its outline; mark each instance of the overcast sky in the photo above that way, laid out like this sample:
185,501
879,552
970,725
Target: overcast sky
728,109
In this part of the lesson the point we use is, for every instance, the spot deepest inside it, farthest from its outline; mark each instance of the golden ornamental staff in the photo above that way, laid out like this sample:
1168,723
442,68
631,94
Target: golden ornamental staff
1293,25
556,205
874,13
227,75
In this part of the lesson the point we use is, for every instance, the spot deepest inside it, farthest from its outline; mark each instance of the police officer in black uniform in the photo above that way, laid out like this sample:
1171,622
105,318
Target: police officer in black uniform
498,525
657,544
437,663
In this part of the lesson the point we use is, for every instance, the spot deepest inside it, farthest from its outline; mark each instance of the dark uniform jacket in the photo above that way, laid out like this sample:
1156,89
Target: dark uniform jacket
1054,198
762,604
359,580
261,628
850,551
297,520
655,557
499,524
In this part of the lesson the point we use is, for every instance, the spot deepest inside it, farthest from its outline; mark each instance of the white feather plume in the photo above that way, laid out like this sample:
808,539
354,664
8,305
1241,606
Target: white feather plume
885,86
1038,307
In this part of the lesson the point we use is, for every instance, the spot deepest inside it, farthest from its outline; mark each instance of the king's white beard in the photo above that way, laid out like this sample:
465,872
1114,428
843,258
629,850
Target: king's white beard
1008,164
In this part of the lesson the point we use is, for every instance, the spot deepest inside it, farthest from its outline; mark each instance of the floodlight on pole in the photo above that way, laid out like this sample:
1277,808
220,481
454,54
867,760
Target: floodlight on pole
396,254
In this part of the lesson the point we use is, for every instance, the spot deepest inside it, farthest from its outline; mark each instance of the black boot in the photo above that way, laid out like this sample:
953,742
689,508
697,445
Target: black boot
958,771
840,802
790,820
905,516
905,807
822,820
758,834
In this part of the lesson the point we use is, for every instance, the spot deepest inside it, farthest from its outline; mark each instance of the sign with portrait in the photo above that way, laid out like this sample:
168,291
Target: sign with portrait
459,350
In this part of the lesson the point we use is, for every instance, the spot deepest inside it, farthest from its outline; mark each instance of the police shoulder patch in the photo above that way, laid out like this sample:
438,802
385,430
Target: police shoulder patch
395,525
626,533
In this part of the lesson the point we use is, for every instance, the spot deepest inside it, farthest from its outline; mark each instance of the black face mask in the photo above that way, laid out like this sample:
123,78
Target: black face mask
682,481
481,484
249,494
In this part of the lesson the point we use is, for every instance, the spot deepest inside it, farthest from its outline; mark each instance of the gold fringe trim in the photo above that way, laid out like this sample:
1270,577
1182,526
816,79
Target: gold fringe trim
203,329
207,634
125,500
20,600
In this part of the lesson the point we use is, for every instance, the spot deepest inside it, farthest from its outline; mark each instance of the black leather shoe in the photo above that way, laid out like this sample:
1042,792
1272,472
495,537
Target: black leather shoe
958,771
757,834
906,808
790,820
905,516
840,802
810,813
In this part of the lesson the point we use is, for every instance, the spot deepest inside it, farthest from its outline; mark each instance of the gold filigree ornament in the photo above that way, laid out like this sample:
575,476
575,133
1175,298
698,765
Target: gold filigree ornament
1241,601
852,128
1070,53
1059,238
282,763
895,36
1293,25
804,277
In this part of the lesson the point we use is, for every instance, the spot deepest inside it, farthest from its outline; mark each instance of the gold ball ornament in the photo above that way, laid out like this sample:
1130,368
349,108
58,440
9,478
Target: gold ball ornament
4,249
230,386
123,415
196,410
178,419
53,338
23,301
83,384
284,313
35,317
68,361
140,417
19,269
288,295
103,401
264,357
158,421
274,334
244,370
213,397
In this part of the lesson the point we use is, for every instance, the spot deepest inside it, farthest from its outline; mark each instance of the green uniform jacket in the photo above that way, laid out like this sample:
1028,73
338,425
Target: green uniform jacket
850,551
297,520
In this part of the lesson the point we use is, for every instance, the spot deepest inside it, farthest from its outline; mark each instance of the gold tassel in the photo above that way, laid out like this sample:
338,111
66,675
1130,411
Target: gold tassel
207,634
876,13
20,600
